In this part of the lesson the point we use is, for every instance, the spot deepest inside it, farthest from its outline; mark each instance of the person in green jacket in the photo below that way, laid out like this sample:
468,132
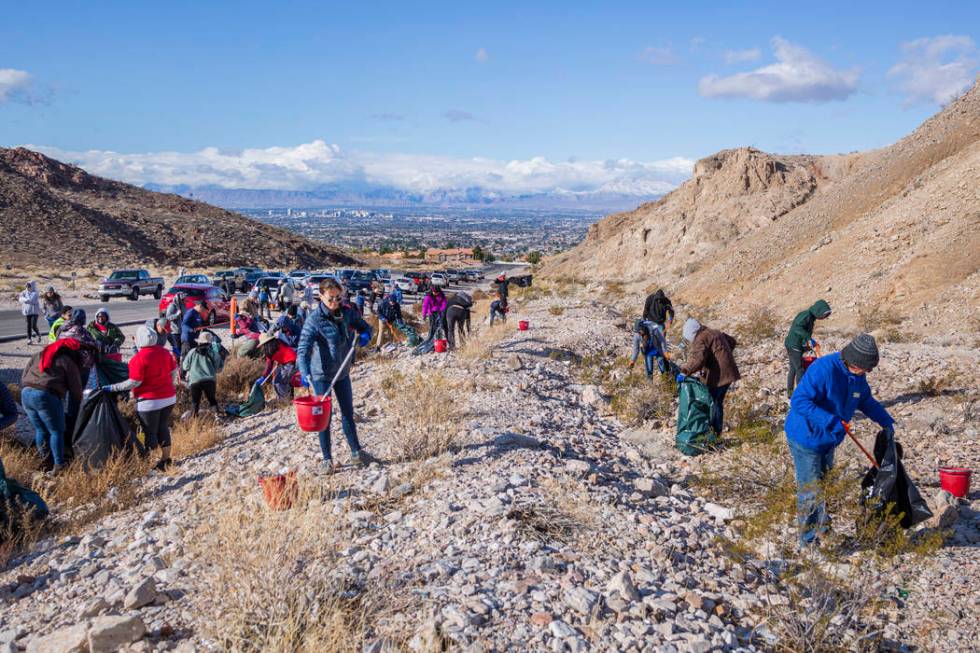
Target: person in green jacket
202,365
57,324
108,335
800,339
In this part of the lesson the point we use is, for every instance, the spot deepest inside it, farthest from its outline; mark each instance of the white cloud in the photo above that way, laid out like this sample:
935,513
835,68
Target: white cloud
15,85
659,56
312,165
797,76
936,69
742,56
458,115
481,55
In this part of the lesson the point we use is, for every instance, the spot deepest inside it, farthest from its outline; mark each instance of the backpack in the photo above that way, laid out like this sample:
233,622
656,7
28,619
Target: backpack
659,309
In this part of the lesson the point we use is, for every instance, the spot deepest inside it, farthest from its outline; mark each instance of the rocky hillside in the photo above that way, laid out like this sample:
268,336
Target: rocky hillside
897,227
53,212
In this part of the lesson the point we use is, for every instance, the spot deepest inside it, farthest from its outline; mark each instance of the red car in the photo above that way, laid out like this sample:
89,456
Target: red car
216,300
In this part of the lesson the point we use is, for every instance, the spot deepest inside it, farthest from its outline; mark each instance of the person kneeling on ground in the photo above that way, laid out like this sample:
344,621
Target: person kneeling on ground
648,339
279,357
711,355
800,339
833,388
201,366
50,374
152,379
327,338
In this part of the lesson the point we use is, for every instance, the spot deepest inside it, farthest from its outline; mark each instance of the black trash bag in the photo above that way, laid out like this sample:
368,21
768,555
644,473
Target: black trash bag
101,431
888,487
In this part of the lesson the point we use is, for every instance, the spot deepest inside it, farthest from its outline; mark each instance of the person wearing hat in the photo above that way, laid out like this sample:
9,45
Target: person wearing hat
107,334
712,356
30,308
279,357
152,380
160,327
201,367
51,304
831,391
648,339
800,339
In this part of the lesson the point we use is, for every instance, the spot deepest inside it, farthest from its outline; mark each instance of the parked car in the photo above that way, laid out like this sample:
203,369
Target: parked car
272,285
299,277
405,284
215,298
194,278
315,279
251,278
359,280
470,275
452,275
439,280
382,274
231,280
130,284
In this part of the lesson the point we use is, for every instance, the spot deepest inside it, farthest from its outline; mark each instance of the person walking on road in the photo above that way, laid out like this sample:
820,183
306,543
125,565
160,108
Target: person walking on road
265,304
153,381
50,374
201,367
711,355
30,308
327,338
51,305
800,339
821,408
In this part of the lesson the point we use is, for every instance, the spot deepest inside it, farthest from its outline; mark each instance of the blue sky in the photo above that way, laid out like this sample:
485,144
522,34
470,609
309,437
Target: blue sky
645,83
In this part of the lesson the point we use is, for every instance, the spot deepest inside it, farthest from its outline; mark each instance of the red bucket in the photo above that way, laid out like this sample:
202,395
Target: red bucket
279,490
522,325
441,345
312,413
955,480
808,360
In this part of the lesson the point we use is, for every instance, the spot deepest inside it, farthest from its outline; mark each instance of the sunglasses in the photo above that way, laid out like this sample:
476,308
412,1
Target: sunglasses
330,299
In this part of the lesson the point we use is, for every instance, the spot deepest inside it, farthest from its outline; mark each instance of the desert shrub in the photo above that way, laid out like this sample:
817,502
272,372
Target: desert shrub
478,294
884,320
637,399
191,436
237,376
760,323
481,342
556,309
424,412
614,289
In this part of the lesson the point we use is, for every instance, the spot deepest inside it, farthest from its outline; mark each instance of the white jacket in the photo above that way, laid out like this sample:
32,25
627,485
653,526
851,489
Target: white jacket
30,301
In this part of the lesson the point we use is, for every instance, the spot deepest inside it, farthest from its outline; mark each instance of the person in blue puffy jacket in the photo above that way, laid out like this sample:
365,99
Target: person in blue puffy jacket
831,391
328,335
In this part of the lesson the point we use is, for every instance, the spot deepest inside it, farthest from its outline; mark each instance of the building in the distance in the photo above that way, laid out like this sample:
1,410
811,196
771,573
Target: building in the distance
443,255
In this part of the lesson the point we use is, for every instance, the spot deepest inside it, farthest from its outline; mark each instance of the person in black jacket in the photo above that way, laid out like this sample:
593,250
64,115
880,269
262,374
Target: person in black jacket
659,310
458,318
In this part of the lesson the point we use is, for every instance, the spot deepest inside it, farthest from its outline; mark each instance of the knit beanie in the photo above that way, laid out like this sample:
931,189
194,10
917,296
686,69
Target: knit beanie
691,328
861,352
145,337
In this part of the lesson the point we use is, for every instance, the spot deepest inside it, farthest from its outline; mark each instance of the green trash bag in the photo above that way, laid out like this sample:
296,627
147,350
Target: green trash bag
694,432
253,405
110,371
410,333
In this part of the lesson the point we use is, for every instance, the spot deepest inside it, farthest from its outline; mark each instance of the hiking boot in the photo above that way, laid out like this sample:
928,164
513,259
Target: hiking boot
328,468
57,470
164,464
363,458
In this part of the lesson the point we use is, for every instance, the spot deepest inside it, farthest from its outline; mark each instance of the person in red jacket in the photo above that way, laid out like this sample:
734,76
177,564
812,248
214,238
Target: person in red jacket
279,357
153,382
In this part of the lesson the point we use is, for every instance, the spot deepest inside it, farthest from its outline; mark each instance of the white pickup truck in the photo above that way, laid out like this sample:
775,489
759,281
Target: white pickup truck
130,284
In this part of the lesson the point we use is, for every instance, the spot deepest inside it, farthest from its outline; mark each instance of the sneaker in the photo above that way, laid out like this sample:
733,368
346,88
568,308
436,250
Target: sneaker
363,458
327,467
164,464
55,471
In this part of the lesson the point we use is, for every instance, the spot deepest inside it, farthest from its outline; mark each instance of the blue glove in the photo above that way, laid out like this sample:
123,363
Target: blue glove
106,388
363,338
305,381
260,380
680,378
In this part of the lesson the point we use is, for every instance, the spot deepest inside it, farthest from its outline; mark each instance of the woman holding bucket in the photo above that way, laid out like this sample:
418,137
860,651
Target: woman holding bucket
324,354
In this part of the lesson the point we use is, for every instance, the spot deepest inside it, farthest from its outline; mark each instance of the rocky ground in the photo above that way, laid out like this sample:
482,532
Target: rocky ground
549,525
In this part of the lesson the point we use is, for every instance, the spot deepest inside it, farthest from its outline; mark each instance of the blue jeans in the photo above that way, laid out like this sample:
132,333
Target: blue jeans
717,416
344,393
495,310
650,358
47,414
811,466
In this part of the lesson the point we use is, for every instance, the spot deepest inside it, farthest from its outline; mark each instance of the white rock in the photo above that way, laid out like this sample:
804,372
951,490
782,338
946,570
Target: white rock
73,639
108,634
143,594
622,583
719,512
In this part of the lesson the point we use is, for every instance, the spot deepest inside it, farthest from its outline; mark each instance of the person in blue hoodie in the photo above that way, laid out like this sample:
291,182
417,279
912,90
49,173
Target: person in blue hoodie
829,394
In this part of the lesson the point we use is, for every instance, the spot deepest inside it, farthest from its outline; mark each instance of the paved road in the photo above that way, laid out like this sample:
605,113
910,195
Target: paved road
123,311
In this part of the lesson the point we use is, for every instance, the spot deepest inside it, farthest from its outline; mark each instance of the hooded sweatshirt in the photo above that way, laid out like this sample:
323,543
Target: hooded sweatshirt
108,335
801,331
433,303
51,304
152,374
75,328
658,308
29,300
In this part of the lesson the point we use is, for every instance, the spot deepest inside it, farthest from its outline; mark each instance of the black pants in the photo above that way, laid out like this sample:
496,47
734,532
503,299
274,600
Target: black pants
206,388
32,326
795,370
457,320
437,325
156,426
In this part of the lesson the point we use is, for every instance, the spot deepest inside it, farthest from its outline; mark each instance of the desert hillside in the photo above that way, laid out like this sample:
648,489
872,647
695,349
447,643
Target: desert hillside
897,228
52,213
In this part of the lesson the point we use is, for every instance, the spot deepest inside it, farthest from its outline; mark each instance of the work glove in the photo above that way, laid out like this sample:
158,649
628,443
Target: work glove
306,382
363,338
106,388
260,380
680,378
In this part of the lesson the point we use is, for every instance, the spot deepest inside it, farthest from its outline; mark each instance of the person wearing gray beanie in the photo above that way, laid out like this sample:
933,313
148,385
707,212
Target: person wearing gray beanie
691,328
821,408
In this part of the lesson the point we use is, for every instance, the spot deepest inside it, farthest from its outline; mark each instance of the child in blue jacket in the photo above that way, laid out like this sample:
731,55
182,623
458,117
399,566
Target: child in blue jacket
831,391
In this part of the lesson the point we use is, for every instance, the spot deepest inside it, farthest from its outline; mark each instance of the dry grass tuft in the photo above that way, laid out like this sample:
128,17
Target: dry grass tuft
760,323
556,309
194,435
14,389
424,414
238,375
480,344
637,399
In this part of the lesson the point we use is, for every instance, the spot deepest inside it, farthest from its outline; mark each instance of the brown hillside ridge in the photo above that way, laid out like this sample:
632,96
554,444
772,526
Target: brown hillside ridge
897,228
52,212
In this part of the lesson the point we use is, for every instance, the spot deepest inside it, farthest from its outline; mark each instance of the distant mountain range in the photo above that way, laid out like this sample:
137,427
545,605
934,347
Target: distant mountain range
615,197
